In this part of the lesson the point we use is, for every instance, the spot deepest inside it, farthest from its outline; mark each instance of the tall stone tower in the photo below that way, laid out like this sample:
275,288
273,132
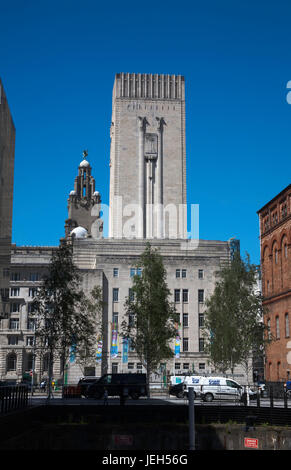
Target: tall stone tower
7,147
147,157
84,205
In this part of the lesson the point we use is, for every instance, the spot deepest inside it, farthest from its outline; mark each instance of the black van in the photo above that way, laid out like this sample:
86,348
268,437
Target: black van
133,385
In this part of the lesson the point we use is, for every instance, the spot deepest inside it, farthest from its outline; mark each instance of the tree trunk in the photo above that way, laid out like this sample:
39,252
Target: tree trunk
148,381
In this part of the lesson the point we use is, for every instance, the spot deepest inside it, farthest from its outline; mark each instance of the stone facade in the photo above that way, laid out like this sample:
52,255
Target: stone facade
275,239
148,157
7,146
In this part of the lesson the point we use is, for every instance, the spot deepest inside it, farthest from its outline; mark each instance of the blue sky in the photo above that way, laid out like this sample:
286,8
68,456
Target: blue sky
58,62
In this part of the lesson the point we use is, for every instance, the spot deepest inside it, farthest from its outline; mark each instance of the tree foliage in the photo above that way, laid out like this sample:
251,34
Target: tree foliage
151,317
64,318
233,318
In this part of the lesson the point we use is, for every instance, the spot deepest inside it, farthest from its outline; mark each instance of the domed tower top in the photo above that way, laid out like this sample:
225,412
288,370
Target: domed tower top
84,202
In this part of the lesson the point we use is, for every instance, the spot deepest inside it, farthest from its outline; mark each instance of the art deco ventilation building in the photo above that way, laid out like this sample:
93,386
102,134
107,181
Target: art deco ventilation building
147,203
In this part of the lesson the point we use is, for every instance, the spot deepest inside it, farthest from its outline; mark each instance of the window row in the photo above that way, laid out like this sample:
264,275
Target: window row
185,343
185,319
17,276
14,324
15,307
186,366
15,291
286,327
185,295
180,273
13,340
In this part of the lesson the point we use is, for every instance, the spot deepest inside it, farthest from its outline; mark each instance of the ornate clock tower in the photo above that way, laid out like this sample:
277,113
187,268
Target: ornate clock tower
84,205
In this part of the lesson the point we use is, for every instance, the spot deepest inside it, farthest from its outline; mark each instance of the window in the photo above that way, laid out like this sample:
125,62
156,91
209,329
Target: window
131,295
115,317
115,294
14,324
130,366
185,320
33,277
287,330
114,367
135,272
14,308
201,295
131,320
185,295
185,344
139,366
201,320
200,274
181,273
31,307
201,344
177,295
201,366
11,362
269,328
32,291
186,366
29,340
277,328
13,340
15,292
285,250
15,276
177,366
30,324
115,272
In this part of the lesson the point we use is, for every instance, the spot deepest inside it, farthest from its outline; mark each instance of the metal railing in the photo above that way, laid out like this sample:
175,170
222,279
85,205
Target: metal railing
13,397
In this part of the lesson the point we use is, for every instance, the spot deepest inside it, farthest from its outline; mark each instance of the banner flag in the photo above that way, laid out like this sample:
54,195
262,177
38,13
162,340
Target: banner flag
99,351
114,345
125,350
177,343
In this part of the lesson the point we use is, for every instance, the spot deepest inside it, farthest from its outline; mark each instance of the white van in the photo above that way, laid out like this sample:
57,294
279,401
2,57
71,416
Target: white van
179,385
220,388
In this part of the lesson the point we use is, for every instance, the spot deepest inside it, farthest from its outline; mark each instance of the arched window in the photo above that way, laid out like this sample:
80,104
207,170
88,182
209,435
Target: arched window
11,362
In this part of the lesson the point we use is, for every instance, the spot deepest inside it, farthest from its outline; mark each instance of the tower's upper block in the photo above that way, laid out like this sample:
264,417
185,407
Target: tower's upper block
149,86
148,157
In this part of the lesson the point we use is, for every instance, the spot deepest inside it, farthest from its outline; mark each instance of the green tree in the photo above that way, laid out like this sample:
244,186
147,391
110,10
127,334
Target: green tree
92,305
233,326
63,321
151,317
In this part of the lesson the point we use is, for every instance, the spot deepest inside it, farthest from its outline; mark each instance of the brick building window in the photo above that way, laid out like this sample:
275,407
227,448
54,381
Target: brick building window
287,328
277,327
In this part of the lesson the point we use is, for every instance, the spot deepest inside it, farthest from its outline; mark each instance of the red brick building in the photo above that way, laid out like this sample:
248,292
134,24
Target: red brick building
275,239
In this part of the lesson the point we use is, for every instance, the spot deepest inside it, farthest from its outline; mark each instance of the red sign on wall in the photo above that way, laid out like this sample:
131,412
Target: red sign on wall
251,443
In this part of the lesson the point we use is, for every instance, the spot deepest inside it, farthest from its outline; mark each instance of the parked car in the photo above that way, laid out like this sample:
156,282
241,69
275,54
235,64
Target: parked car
133,385
84,383
287,387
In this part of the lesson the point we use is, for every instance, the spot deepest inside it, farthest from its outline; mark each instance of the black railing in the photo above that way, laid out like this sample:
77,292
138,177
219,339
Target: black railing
13,397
